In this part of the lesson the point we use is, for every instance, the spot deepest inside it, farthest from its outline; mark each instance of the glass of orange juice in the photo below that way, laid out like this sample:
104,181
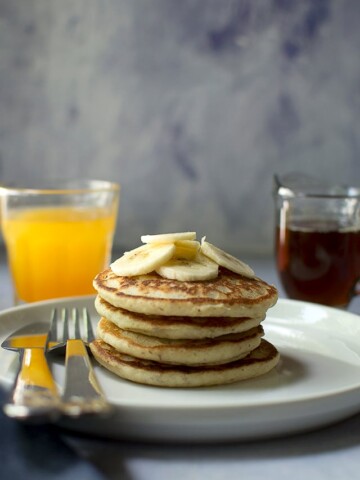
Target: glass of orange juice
58,236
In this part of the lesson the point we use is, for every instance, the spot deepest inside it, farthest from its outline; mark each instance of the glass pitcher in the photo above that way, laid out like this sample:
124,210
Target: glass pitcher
317,239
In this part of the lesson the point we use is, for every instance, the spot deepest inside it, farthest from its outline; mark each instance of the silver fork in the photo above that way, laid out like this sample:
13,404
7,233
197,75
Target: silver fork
82,392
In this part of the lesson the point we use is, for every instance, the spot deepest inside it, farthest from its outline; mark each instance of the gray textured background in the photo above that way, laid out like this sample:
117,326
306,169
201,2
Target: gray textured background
191,105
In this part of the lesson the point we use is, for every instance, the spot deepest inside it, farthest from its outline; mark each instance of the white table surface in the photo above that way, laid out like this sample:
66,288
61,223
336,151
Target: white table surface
329,453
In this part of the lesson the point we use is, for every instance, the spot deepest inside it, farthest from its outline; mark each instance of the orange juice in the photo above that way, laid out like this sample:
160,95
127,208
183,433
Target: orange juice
57,251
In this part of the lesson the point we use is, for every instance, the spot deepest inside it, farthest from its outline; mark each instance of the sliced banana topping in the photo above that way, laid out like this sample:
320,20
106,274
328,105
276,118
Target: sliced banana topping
178,256
198,268
186,248
168,237
142,260
225,259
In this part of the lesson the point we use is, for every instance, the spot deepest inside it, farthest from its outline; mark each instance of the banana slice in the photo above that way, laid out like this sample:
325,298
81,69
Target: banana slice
186,248
225,259
189,270
168,237
142,260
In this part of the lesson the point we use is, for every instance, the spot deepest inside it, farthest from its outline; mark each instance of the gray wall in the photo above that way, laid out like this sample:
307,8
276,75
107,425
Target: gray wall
190,104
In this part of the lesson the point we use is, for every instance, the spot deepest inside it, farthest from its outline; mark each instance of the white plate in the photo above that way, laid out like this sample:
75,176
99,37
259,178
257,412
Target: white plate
316,383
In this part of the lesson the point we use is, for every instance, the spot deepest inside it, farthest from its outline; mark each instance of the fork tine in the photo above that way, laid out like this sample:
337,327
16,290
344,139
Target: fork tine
53,325
90,336
51,339
69,326
75,315
65,319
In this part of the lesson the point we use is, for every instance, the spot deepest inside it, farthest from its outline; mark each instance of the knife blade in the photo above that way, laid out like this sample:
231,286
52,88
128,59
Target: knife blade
34,395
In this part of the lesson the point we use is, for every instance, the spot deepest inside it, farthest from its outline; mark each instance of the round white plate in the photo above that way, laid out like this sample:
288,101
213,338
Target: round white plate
316,383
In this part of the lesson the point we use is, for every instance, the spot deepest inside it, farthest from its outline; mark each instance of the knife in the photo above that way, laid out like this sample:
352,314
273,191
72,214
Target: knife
34,395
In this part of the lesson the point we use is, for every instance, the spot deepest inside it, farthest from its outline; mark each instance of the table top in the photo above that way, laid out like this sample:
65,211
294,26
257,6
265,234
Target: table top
36,452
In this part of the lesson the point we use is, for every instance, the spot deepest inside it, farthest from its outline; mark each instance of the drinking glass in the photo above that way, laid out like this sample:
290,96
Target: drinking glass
58,236
317,239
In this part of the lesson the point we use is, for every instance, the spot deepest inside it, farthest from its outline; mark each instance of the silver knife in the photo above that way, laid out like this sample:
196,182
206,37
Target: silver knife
34,395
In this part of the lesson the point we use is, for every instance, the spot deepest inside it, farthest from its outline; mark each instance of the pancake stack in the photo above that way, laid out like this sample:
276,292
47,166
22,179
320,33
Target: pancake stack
177,313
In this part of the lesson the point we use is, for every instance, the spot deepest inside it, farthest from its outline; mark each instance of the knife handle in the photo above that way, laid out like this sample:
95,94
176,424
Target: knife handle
34,395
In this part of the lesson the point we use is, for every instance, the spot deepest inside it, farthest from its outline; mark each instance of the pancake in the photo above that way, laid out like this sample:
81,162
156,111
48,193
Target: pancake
174,327
260,361
186,352
227,295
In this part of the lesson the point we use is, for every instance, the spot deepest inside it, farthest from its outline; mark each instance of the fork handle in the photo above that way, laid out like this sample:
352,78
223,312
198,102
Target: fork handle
82,392
34,396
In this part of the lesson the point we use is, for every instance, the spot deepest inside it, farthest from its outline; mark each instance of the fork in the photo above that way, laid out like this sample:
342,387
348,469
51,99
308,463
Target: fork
82,392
